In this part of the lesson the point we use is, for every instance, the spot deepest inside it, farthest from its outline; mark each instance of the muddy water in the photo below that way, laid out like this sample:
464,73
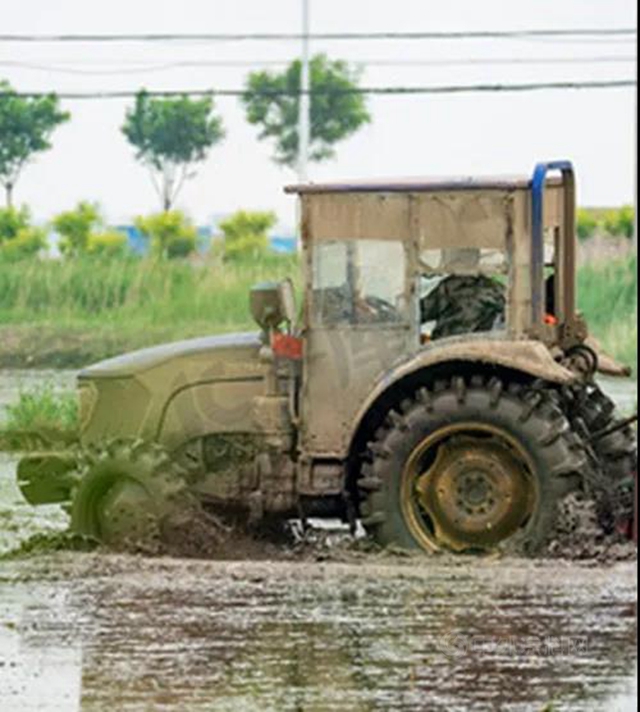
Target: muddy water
96,632
19,521
111,633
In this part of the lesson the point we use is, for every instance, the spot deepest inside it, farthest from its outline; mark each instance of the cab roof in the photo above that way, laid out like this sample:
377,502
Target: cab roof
418,185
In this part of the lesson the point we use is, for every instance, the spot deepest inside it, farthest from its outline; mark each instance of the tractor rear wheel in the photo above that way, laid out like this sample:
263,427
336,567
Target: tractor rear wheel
471,466
128,494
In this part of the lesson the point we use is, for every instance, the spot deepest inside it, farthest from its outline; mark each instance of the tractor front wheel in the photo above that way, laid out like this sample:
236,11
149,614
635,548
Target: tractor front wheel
128,494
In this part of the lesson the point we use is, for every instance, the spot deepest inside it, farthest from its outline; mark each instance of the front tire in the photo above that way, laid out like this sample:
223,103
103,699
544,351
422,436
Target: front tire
471,466
128,495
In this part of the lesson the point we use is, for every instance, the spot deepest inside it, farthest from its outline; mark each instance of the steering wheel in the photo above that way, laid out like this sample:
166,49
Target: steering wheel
374,309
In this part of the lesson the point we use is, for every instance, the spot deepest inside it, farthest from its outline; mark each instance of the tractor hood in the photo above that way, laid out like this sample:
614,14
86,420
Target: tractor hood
138,362
131,396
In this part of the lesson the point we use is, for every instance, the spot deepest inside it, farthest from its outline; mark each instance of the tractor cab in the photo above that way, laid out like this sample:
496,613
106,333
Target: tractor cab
398,271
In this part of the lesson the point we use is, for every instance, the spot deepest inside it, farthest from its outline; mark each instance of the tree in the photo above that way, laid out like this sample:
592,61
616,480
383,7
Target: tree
18,238
76,227
171,234
83,233
170,135
245,234
26,126
272,99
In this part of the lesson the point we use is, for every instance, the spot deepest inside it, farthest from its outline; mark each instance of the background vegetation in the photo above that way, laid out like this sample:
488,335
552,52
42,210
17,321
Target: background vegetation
75,311
614,222
72,312
607,294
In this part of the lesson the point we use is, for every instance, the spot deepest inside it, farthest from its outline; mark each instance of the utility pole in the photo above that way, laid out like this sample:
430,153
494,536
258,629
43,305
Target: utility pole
304,117
635,181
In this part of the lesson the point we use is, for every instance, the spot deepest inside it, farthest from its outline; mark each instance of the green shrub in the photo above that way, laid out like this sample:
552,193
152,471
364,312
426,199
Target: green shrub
82,233
171,234
18,238
12,221
75,227
245,234
28,243
587,223
110,244
620,222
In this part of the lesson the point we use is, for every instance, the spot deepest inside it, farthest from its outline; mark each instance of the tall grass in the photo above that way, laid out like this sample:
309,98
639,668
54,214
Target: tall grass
133,292
76,311
43,408
41,417
607,295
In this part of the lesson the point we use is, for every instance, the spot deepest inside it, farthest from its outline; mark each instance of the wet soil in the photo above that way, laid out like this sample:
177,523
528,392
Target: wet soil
127,633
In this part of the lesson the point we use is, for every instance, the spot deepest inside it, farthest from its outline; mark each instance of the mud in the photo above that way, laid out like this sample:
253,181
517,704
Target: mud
103,632
580,537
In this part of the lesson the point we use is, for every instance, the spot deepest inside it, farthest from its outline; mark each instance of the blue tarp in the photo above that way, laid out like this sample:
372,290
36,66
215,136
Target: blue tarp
140,244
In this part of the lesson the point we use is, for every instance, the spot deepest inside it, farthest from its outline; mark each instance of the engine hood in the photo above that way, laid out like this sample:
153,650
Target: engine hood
137,363
128,396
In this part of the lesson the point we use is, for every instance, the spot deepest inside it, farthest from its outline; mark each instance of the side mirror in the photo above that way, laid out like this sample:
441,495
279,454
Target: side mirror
272,304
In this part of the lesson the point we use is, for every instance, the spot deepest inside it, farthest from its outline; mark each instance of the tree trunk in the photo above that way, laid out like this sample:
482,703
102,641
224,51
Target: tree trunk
167,191
9,193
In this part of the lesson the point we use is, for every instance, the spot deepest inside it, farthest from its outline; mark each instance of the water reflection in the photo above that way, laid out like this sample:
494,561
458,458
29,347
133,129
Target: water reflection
202,636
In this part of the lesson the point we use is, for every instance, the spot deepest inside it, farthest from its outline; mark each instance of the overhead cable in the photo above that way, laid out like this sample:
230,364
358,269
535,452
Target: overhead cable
389,91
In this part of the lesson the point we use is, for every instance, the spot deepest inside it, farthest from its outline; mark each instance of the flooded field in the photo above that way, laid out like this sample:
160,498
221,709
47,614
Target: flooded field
113,633
89,632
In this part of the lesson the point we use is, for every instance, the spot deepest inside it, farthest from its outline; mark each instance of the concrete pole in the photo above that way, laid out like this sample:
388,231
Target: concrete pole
635,179
304,117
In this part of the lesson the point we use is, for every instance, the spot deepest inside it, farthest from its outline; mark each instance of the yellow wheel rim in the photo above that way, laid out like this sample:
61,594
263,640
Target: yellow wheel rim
467,487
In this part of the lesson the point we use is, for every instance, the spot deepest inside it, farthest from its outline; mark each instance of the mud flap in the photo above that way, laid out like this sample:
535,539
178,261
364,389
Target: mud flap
47,477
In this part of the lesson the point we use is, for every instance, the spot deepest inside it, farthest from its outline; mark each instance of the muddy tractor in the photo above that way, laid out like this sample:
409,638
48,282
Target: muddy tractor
437,384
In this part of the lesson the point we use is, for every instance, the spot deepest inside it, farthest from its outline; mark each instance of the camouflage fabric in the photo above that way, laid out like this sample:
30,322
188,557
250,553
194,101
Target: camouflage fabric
463,304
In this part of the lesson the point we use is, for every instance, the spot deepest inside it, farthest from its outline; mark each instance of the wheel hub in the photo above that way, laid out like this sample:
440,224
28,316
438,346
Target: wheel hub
476,493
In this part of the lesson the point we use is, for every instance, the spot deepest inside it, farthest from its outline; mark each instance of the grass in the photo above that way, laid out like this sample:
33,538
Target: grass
56,314
608,298
44,408
72,313
41,417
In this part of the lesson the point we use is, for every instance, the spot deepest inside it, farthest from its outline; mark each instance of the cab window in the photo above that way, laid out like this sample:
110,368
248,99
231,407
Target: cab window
358,282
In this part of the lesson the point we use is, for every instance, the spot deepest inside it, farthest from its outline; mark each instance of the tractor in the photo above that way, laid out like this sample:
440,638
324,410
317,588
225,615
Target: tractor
437,385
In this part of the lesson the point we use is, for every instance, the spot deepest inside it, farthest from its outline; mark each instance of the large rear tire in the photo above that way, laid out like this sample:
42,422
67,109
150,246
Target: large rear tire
471,466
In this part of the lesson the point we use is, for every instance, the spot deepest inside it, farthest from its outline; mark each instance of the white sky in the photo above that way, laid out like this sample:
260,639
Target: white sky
420,135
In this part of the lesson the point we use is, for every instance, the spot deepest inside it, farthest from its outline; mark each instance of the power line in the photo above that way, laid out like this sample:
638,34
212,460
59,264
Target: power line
389,91
329,36
234,64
